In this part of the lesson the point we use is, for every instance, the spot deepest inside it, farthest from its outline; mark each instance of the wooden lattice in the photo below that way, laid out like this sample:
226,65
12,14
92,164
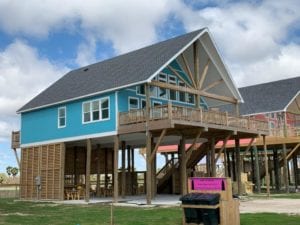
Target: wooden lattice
44,161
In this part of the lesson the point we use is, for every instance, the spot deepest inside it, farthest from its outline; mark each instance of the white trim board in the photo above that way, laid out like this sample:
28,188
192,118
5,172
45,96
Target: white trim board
75,138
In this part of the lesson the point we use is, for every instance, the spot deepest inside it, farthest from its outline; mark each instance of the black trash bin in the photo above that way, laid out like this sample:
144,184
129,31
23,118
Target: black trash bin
207,216
192,215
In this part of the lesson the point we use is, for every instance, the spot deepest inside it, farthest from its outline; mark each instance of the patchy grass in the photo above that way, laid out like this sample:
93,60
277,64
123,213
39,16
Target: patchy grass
30,213
269,219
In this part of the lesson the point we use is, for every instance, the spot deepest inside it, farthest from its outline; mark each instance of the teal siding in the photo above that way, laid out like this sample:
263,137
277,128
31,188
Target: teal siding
41,125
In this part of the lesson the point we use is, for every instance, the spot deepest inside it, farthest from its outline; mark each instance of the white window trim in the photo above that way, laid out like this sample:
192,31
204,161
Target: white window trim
138,103
91,110
58,117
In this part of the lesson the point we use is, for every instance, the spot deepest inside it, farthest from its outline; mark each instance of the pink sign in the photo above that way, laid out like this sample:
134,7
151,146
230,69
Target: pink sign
208,184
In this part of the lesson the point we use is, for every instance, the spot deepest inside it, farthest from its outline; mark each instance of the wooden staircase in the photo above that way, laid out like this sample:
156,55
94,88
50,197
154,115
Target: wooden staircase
164,176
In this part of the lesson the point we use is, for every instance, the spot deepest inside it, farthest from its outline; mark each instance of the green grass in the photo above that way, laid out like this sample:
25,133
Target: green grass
30,213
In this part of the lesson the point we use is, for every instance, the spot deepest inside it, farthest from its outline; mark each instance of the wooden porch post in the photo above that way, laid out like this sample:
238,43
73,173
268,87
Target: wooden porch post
238,165
266,166
123,176
252,166
133,182
257,170
285,168
295,166
116,173
225,162
208,161
148,168
183,166
88,169
128,176
229,164
276,169
212,157
153,169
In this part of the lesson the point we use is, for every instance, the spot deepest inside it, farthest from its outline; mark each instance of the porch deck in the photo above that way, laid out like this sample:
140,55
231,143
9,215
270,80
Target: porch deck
167,116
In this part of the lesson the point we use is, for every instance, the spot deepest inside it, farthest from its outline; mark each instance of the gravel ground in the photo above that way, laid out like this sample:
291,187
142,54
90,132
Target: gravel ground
289,206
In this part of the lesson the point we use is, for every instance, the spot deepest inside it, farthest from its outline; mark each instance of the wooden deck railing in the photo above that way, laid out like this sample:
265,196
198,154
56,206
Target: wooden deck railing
193,115
290,132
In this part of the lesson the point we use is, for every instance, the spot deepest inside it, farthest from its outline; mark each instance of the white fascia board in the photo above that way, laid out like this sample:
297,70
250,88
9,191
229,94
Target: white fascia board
233,85
83,96
75,138
176,55
285,108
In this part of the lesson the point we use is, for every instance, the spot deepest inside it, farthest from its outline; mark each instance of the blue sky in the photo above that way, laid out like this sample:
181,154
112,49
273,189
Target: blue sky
42,40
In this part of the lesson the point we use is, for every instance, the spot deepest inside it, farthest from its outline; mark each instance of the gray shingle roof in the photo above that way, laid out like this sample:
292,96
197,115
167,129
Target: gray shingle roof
269,97
133,67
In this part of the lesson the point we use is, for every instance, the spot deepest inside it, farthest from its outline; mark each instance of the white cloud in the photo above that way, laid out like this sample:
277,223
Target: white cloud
23,74
127,24
284,65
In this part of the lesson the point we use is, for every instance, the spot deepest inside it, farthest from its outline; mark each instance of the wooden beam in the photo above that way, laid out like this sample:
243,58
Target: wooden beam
161,137
238,165
189,150
257,170
17,157
116,172
123,176
148,168
88,169
179,76
194,91
285,169
203,75
223,146
212,85
248,148
266,166
213,155
196,69
188,69
183,174
293,151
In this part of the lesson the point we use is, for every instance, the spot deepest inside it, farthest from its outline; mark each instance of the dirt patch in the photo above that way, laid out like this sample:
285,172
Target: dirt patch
289,206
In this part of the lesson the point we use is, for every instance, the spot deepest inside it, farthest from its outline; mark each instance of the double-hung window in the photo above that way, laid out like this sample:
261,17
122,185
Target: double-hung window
61,117
95,110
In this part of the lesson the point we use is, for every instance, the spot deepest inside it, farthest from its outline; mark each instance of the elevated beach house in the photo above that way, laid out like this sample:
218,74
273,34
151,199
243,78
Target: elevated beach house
166,93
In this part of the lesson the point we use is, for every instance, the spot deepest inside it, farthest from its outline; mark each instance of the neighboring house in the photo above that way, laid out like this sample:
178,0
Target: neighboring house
166,93
277,103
